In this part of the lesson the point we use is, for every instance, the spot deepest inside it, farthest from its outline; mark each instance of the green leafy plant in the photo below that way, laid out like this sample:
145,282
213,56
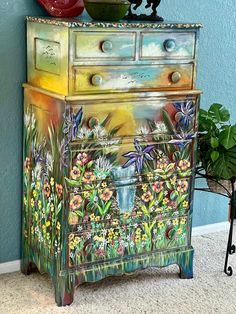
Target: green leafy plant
217,142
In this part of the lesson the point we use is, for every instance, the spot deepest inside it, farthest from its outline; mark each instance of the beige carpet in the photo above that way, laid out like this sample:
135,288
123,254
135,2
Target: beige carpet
149,291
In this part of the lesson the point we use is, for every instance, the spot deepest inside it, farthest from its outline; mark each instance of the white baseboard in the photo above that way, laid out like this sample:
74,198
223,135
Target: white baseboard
10,267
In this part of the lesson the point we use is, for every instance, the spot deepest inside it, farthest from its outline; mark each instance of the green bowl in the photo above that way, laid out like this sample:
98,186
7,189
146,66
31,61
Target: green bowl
106,10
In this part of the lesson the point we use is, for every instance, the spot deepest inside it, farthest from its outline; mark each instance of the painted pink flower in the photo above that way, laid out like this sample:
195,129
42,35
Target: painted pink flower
172,204
82,159
75,202
106,195
157,187
120,250
89,177
162,163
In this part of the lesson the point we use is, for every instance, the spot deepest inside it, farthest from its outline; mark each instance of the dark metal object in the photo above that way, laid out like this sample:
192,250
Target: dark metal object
144,17
231,249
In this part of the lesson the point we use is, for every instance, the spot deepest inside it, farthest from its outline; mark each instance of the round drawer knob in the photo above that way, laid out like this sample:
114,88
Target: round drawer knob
175,77
107,46
96,80
169,45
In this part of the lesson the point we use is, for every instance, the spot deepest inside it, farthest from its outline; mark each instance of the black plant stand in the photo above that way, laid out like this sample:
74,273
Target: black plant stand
232,197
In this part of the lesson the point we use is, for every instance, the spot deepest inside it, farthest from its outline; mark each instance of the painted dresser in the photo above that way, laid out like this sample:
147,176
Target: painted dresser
109,149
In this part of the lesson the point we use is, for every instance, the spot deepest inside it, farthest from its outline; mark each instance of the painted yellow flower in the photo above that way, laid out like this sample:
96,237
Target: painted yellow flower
52,207
37,185
165,201
160,224
115,222
139,213
138,231
106,195
32,202
75,202
175,222
92,217
185,204
58,225
77,240
71,245
184,164
182,186
183,221
97,218
144,237
75,173
44,229
147,197
39,204
150,175
25,200
173,180
35,194
48,223
144,187
169,208
104,184
52,182
86,194
126,215
137,238
36,215
179,231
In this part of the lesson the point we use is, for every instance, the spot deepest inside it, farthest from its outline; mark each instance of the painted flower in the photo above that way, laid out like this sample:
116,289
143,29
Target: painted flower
120,250
172,204
75,202
92,217
97,218
75,173
162,163
160,224
179,231
102,168
143,130
48,223
144,187
59,190
86,194
175,222
84,133
37,185
183,221
46,189
52,181
165,201
185,204
106,195
185,114
126,215
35,194
89,177
27,164
100,253
104,184
160,128
39,204
139,156
58,225
173,180
147,197
157,186
77,240
182,186
82,159
184,164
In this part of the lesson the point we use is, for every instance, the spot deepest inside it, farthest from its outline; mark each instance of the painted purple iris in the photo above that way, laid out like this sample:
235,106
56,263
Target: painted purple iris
182,139
185,114
139,156
72,123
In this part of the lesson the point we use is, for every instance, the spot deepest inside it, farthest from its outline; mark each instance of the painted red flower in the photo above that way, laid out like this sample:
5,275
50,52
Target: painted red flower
82,159
157,186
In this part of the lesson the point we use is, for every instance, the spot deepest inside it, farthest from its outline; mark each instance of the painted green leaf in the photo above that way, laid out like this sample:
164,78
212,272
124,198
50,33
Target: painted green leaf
168,123
214,155
160,197
228,137
106,208
218,113
72,183
173,195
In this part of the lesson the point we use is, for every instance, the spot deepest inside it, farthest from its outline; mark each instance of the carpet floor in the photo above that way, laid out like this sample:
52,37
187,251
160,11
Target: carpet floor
148,291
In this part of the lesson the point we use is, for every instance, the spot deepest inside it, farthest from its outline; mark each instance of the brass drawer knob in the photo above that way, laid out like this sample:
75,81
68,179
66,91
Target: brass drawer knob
169,45
96,80
107,46
175,77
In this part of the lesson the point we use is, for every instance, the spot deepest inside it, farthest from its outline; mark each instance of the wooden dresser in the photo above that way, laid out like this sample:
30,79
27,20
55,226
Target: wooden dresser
109,149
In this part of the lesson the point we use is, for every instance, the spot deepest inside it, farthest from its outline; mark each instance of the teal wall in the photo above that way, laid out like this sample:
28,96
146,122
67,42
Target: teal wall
216,76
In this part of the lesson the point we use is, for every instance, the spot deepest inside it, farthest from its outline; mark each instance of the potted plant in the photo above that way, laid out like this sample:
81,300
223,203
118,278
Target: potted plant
217,146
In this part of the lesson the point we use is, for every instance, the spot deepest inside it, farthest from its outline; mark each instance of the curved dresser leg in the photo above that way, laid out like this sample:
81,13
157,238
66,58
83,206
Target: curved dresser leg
186,265
28,267
64,290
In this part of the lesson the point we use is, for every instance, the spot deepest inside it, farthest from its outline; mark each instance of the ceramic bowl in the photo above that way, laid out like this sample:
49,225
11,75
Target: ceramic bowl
106,10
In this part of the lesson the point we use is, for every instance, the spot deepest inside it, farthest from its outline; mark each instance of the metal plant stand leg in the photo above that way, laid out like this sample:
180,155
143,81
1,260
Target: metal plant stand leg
230,247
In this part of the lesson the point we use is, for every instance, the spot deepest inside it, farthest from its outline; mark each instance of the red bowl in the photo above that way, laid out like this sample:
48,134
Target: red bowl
63,8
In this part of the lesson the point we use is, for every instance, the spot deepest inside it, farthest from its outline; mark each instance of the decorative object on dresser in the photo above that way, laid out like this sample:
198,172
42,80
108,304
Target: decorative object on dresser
63,8
150,4
109,152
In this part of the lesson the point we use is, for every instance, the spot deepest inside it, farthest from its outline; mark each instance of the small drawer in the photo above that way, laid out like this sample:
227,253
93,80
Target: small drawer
126,78
167,45
104,46
103,244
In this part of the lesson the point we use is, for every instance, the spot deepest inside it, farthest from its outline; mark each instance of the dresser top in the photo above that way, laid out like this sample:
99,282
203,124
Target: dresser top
86,22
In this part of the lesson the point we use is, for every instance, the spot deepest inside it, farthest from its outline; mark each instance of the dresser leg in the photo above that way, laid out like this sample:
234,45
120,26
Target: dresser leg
28,267
64,291
186,265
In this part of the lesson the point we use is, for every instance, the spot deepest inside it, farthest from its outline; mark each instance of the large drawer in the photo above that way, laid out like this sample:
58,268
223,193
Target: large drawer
125,78
167,45
91,45
103,244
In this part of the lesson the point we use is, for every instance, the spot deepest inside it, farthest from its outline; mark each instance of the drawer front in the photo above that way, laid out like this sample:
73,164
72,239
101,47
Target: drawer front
102,244
167,45
128,202
104,46
124,78
151,118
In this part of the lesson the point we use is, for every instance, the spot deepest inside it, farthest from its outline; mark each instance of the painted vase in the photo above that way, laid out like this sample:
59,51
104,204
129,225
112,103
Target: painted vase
124,180
63,8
